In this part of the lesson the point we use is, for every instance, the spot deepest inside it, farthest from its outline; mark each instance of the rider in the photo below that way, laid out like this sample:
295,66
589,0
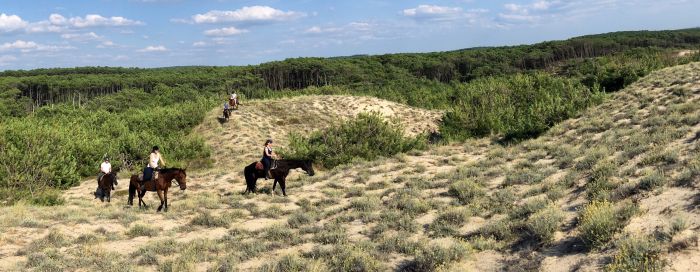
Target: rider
153,159
268,154
226,108
234,99
105,169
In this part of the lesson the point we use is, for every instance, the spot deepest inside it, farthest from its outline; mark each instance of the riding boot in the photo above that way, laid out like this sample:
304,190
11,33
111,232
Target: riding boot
268,175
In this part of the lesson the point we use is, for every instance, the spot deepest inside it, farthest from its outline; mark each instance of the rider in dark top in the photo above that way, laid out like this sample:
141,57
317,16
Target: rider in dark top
267,157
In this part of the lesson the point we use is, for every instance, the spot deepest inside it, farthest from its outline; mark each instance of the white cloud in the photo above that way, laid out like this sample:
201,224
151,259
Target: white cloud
322,30
156,48
199,44
259,14
81,36
96,20
57,23
433,12
226,31
29,46
9,23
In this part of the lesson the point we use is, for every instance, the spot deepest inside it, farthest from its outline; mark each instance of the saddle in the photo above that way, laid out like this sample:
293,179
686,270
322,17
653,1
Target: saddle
261,166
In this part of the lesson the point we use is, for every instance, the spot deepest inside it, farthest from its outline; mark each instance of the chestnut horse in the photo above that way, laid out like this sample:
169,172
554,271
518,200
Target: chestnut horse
279,174
159,185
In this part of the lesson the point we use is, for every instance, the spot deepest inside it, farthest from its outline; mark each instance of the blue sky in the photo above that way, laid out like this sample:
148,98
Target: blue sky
157,33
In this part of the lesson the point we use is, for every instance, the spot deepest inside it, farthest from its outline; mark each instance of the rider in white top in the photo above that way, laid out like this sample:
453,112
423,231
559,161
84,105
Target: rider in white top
234,96
105,168
154,158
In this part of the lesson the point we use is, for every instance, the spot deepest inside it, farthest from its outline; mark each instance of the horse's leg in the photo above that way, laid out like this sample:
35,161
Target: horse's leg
141,194
284,186
274,185
109,196
165,196
160,195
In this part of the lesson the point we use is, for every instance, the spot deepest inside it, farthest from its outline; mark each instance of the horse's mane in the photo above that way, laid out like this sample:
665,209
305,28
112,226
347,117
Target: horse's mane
169,170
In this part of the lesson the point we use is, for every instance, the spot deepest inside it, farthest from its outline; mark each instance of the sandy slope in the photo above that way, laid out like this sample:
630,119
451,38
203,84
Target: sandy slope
660,111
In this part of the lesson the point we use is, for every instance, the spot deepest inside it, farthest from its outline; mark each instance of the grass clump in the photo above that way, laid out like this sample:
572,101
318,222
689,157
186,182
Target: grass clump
294,263
601,220
54,239
466,191
142,230
299,219
542,224
368,136
208,220
436,257
345,257
652,181
449,222
365,204
637,254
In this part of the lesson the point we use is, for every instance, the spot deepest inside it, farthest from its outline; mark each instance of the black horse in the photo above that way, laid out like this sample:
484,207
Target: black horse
252,174
105,186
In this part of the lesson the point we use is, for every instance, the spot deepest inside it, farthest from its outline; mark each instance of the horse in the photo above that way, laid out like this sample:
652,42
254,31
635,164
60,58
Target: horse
105,186
227,113
233,103
252,174
159,185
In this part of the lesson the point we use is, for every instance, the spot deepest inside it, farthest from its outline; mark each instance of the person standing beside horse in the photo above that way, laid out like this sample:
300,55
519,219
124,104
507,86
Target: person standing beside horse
267,158
153,160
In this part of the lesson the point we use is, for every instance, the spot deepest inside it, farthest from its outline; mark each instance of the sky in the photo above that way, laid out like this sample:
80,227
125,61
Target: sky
160,33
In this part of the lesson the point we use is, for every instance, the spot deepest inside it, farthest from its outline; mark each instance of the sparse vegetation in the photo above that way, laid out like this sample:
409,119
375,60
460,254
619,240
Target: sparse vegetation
637,254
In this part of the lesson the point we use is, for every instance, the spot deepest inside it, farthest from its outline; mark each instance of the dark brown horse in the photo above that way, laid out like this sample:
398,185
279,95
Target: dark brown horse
279,174
105,186
159,185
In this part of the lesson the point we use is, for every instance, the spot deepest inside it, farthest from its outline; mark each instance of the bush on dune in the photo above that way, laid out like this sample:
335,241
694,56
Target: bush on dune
518,106
368,136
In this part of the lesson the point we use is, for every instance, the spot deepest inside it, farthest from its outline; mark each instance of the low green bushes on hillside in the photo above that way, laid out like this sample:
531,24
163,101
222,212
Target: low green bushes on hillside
56,146
368,136
518,106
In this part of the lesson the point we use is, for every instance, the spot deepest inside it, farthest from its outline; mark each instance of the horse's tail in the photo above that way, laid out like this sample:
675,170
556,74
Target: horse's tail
132,191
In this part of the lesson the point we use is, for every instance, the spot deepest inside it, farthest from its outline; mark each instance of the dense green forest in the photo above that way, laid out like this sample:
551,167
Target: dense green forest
56,124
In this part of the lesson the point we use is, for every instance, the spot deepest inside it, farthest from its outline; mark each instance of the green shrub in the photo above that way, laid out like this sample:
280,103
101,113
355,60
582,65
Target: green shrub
652,181
517,106
208,220
637,254
448,222
142,230
531,206
352,258
466,191
368,136
365,204
435,257
293,263
544,223
600,221
299,219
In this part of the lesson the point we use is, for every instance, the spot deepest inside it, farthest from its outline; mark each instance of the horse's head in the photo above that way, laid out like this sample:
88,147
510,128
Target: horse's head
308,167
181,178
